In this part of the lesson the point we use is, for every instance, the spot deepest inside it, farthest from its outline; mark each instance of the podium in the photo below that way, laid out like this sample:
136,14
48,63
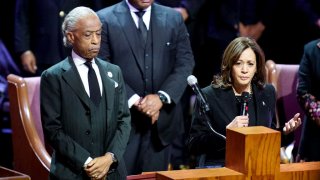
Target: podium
252,153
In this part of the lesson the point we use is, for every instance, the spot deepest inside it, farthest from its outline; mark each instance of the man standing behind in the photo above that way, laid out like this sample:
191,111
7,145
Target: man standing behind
83,106
151,45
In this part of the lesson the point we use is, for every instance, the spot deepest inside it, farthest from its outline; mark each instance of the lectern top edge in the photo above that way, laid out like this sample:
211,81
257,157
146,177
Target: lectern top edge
254,130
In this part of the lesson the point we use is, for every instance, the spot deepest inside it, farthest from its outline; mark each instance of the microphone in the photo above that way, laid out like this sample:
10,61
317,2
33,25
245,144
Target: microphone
244,103
193,82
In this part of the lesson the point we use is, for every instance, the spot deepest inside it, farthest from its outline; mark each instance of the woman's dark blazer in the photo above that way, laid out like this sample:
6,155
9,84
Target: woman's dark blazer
223,109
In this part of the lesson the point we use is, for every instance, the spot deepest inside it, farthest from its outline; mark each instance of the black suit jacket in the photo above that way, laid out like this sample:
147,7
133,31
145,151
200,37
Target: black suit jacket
223,110
309,76
69,121
172,58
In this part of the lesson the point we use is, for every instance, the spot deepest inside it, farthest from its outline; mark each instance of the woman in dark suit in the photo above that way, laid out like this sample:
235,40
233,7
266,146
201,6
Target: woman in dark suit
242,70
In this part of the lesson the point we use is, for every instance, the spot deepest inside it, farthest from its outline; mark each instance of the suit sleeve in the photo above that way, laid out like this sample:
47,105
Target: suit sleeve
305,73
22,26
75,155
105,49
119,141
175,83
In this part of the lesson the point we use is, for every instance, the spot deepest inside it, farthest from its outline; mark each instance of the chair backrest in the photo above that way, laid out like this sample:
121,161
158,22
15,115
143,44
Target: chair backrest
284,77
30,155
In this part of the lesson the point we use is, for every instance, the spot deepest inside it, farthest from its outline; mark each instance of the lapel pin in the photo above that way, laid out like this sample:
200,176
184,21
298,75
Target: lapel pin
110,74
168,43
263,103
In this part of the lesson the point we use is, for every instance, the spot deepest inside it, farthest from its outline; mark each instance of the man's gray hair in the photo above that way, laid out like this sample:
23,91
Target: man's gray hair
70,21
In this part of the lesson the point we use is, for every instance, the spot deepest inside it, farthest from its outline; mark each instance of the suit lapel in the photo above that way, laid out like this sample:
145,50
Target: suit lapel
108,86
129,28
227,104
72,77
263,114
158,26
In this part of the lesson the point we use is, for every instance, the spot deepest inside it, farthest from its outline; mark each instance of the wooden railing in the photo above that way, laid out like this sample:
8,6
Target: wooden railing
252,153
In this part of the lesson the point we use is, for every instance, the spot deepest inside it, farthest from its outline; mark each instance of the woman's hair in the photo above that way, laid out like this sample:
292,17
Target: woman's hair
232,54
70,21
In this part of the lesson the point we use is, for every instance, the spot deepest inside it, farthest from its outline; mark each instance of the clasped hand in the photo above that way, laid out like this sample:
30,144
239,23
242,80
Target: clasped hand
99,167
150,105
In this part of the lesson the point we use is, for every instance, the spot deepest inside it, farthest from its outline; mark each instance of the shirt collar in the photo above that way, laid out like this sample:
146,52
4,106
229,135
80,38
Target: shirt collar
78,60
133,9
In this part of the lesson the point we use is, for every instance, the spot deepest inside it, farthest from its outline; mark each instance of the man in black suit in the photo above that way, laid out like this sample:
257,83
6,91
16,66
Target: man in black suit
37,32
155,69
84,108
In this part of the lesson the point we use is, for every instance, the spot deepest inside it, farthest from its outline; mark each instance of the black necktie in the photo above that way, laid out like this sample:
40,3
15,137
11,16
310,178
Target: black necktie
142,27
94,88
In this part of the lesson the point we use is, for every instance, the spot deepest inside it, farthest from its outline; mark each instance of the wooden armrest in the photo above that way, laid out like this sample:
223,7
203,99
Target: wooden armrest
29,148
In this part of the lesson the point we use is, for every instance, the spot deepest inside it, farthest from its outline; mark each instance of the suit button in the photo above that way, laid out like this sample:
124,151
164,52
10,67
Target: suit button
87,132
61,13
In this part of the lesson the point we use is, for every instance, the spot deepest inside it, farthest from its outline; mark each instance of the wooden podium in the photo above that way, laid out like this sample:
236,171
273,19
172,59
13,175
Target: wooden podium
251,153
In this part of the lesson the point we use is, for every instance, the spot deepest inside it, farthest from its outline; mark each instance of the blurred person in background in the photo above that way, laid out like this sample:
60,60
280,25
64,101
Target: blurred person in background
37,33
309,97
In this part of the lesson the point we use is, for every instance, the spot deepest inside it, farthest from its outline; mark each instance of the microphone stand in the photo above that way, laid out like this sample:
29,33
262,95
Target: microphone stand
204,108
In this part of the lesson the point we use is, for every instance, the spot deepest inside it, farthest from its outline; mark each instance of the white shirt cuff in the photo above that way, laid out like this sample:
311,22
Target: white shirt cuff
87,161
166,95
133,99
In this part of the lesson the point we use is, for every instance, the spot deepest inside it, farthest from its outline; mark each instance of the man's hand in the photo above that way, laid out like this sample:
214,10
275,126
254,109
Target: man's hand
28,62
99,167
183,12
318,23
151,105
155,117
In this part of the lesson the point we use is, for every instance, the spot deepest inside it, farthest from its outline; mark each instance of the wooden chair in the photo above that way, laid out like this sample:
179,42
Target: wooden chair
30,155
284,77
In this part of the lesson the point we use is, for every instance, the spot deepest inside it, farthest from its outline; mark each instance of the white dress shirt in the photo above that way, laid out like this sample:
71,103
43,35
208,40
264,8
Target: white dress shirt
83,71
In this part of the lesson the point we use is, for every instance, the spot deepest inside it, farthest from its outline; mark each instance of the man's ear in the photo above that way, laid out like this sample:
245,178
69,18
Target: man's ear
70,37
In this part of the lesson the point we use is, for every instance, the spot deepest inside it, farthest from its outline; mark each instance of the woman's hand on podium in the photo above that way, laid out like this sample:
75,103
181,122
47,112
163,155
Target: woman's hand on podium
239,121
